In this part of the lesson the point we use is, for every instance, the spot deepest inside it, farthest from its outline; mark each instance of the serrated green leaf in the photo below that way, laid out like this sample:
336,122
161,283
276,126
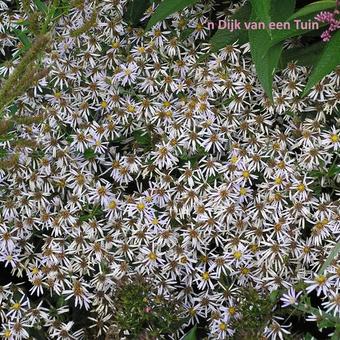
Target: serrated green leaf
329,60
135,11
225,37
166,8
191,335
313,8
41,6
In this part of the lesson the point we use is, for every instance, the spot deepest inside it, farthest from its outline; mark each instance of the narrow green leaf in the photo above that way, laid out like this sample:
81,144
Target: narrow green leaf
191,335
41,6
225,37
23,38
332,255
313,8
166,8
329,60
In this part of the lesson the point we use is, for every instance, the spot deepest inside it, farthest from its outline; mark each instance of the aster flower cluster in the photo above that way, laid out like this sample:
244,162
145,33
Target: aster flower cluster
156,162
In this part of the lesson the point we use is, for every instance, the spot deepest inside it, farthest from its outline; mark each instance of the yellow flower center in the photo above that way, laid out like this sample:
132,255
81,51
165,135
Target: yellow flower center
232,310
245,174
301,187
205,276
103,104
335,138
234,159
278,180
112,205
141,206
237,255
152,256
35,270
321,280
16,306
243,191
222,326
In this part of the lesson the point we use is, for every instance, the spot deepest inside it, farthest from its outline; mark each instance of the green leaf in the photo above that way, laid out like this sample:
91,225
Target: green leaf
325,323
41,6
89,154
333,170
191,335
266,60
135,11
23,38
308,336
306,55
313,8
281,35
3,153
225,37
166,8
262,10
142,137
329,60
332,255
186,33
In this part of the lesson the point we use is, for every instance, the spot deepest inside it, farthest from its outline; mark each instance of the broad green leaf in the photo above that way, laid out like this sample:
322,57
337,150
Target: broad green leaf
41,6
313,8
328,61
23,38
332,255
191,335
225,37
306,55
266,60
265,66
166,8
262,10
135,11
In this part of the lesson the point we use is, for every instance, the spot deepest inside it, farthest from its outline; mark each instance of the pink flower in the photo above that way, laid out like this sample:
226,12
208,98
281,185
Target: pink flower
328,18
